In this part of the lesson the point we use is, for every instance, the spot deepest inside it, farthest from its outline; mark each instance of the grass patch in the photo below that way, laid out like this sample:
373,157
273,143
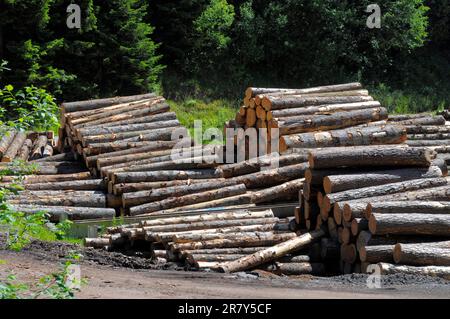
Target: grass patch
212,114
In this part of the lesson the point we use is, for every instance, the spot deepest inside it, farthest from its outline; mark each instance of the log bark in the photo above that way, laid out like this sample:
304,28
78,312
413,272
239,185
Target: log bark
406,207
6,141
48,151
428,254
437,136
32,179
143,197
371,135
100,103
257,164
338,120
221,251
96,242
98,148
423,143
376,254
323,109
58,213
119,189
410,224
382,190
340,183
371,156
25,150
69,156
88,184
239,241
429,120
38,147
14,147
251,230
433,271
188,199
158,176
272,253
252,91
292,101
355,210
295,269
106,130
427,129
94,200
239,214
272,177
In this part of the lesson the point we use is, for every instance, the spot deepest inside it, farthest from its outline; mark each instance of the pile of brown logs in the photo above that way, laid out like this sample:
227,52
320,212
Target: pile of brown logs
58,185
380,204
222,240
21,145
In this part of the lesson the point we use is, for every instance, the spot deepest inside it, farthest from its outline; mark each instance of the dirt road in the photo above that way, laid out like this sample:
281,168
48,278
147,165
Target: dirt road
106,281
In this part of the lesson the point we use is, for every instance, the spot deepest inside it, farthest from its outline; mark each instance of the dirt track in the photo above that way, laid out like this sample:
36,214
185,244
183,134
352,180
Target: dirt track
106,281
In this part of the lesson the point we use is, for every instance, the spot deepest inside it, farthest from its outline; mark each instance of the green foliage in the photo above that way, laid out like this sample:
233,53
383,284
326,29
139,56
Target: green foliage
28,108
54,286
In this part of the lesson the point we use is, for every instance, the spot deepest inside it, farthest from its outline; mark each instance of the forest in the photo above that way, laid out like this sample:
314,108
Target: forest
200,53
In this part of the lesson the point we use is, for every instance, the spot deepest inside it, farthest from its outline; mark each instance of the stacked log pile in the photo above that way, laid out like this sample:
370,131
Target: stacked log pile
24,146
216,240
381,204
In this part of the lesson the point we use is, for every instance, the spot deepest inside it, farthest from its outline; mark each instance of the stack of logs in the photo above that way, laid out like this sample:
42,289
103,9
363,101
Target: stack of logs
381,204
24,146
210,240
58,185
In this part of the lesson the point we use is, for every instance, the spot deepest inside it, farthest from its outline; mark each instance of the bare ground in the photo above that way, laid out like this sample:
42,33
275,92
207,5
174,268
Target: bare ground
113,275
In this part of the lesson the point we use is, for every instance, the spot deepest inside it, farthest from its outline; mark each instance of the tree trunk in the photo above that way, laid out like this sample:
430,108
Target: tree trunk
272,253
252,92
429,120
323,109
239,241
370,135
159,176
57,213
39,146
433,271
407,207
93,200
250,118
376,254
338,120
143,197
371,156
382,190
340,183
294,101
96,242
355,210
14,147
410,224
88,184
257,164
423,143
358,225
251,230
221,251
119,189
98,148
427,254
188,199
428,129
25,150
295,269
437,136
6,141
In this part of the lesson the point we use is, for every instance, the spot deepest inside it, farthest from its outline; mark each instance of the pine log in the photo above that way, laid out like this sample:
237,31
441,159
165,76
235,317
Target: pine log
323,109
38,147
329,249
272,253
354,210
105,130
239,241
25,150
6,141
96,242
340,183
251,230
94,200
338,120
257,164
427,254
99,103
193,258
14,147
119,189
158,176
346,236
429,120
128,118
437,136
58,213
88,184
423,143
57,158
433,271
98,148
143,197
381,190
272,177
250,117
376,254
410,224
371,135
32,179
406,207
252,92
371,156
239,214
48,151
293,101
428,129
188,199
221,251
348,253
295,269
358,225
